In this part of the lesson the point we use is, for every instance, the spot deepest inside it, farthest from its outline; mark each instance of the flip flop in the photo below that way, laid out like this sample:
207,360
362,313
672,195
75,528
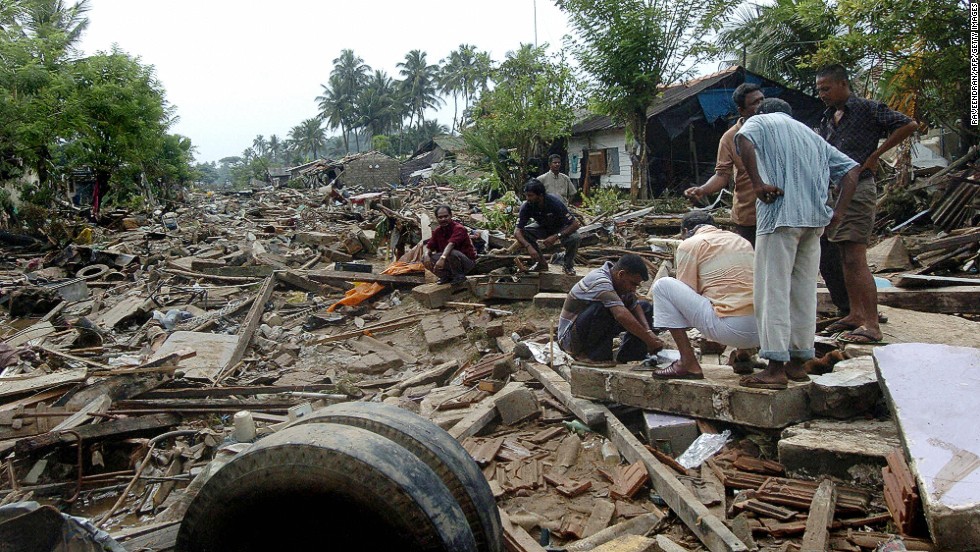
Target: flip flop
835,328
673,371
755,383
860,336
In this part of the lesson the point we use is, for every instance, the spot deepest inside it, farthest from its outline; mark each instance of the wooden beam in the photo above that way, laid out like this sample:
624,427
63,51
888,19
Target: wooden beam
516,539
335,277
252,320
821,517
122,427
948,300
706,526
556,385
943,243
920,280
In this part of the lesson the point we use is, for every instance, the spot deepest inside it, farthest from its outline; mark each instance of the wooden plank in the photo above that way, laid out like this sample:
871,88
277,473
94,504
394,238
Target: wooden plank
482,414
562,390
818,522
643,524
302,282
122,427
160,537
99,405
516,539
32,384
338,277
705,525
948,300
943,243
252,320
907,281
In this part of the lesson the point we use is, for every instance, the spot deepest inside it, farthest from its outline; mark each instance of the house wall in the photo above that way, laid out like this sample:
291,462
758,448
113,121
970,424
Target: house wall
371,171
613,138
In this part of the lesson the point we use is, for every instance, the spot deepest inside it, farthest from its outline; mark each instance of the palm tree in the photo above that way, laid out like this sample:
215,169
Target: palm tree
779,39
57,26
375,104
347,79
309,136
275,148
419,83
336,109
260,145
452,77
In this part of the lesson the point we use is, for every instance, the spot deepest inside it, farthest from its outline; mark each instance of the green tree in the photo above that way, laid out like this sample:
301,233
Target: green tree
119,117
308,138
419,84
530,107
207,173
632,48
275,148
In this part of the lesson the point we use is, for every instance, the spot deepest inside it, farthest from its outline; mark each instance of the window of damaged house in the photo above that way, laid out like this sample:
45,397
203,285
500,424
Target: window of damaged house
601,161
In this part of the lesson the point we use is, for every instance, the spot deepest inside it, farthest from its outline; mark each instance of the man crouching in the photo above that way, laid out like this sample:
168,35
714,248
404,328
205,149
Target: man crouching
601,306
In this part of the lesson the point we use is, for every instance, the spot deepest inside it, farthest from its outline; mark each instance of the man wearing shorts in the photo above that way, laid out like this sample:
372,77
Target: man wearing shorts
854,126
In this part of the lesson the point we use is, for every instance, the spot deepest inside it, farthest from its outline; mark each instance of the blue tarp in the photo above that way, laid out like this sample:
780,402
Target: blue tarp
717,103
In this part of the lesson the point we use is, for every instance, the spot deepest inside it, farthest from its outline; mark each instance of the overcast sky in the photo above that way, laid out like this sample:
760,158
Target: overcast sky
239,68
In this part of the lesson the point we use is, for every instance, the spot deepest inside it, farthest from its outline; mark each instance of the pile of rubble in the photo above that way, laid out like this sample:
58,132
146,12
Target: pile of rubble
128,363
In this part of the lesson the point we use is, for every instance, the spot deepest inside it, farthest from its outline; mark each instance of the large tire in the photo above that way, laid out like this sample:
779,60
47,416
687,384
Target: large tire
324,486
438,450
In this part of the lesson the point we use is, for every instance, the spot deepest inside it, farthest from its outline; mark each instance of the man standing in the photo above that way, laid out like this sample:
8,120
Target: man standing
449,253
553,224
601,306
790,166
556,182
712,292
747,97
854,126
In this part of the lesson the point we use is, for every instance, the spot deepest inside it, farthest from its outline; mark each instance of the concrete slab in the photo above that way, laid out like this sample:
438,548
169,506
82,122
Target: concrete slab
852,450
932,391
213,352
668,433
850,390
442,331
717,397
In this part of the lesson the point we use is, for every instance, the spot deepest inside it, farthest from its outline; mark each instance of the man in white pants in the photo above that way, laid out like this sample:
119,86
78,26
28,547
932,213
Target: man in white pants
790,167
712,292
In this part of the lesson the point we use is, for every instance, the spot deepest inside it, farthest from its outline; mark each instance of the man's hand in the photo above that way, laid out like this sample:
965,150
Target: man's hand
550,240
441,262
835,220
767,193
870,164
696,192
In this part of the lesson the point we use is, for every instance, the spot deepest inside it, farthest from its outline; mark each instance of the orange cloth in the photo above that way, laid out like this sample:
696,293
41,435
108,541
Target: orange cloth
366,290
718,265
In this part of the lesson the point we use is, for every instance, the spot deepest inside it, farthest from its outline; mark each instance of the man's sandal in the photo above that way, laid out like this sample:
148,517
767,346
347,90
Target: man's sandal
756,383
674,371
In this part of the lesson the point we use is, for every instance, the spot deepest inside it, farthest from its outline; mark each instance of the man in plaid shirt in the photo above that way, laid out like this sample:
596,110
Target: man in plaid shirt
854,126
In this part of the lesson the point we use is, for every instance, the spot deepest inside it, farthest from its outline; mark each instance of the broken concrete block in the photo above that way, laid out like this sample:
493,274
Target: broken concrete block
517,405
850,390
213,352
375,363
668,433
432,296
931,390
442,331
852,450
549,300
855,350
495,328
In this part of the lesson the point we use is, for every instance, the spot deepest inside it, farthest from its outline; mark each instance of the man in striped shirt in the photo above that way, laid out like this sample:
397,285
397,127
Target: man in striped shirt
790,167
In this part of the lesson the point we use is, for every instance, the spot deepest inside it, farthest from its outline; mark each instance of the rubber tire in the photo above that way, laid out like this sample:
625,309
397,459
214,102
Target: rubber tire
327,485
439,450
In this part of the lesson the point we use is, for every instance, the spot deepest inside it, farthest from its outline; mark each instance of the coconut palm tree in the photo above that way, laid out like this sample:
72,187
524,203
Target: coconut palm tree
275,148
336,108
308,137
419,83
375,104
55,24
260,145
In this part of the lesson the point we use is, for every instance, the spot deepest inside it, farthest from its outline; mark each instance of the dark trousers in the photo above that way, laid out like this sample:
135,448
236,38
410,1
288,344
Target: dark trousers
747,232
570,242
832,272
456,268
593,332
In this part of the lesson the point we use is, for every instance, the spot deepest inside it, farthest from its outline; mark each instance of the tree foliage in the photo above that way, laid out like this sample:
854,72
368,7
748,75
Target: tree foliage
531,106
631,48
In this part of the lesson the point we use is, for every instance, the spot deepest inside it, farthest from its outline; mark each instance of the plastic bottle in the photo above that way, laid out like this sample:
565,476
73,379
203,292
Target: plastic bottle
244,431
610,455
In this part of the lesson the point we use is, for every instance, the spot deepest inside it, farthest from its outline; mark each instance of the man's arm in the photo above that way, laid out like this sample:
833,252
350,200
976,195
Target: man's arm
636,324
763,191
723,173
894,139
571,227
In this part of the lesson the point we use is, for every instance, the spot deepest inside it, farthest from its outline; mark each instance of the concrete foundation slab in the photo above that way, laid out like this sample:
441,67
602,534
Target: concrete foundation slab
670,434
852,450
717,397
213,352
850,390
932,391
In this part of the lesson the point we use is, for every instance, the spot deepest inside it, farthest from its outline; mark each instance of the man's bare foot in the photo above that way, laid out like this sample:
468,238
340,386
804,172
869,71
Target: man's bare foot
773,377
795,371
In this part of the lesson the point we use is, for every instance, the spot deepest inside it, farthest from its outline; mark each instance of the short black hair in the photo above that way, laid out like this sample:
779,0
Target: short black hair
441,207
696,218
743,90
534,185
774,105
553,156
835,72
633,264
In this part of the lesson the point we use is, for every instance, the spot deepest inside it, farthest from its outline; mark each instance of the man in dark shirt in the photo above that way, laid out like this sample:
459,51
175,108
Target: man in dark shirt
854,126
553,223
449,253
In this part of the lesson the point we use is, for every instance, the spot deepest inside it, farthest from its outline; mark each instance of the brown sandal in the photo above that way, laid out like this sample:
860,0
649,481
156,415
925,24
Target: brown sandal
673,371
756,383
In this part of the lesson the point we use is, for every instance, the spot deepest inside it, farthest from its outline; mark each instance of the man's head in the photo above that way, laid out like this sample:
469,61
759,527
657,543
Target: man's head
833,85
628,273
774,105
534,191
692,220
444,215
747,97
554,162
